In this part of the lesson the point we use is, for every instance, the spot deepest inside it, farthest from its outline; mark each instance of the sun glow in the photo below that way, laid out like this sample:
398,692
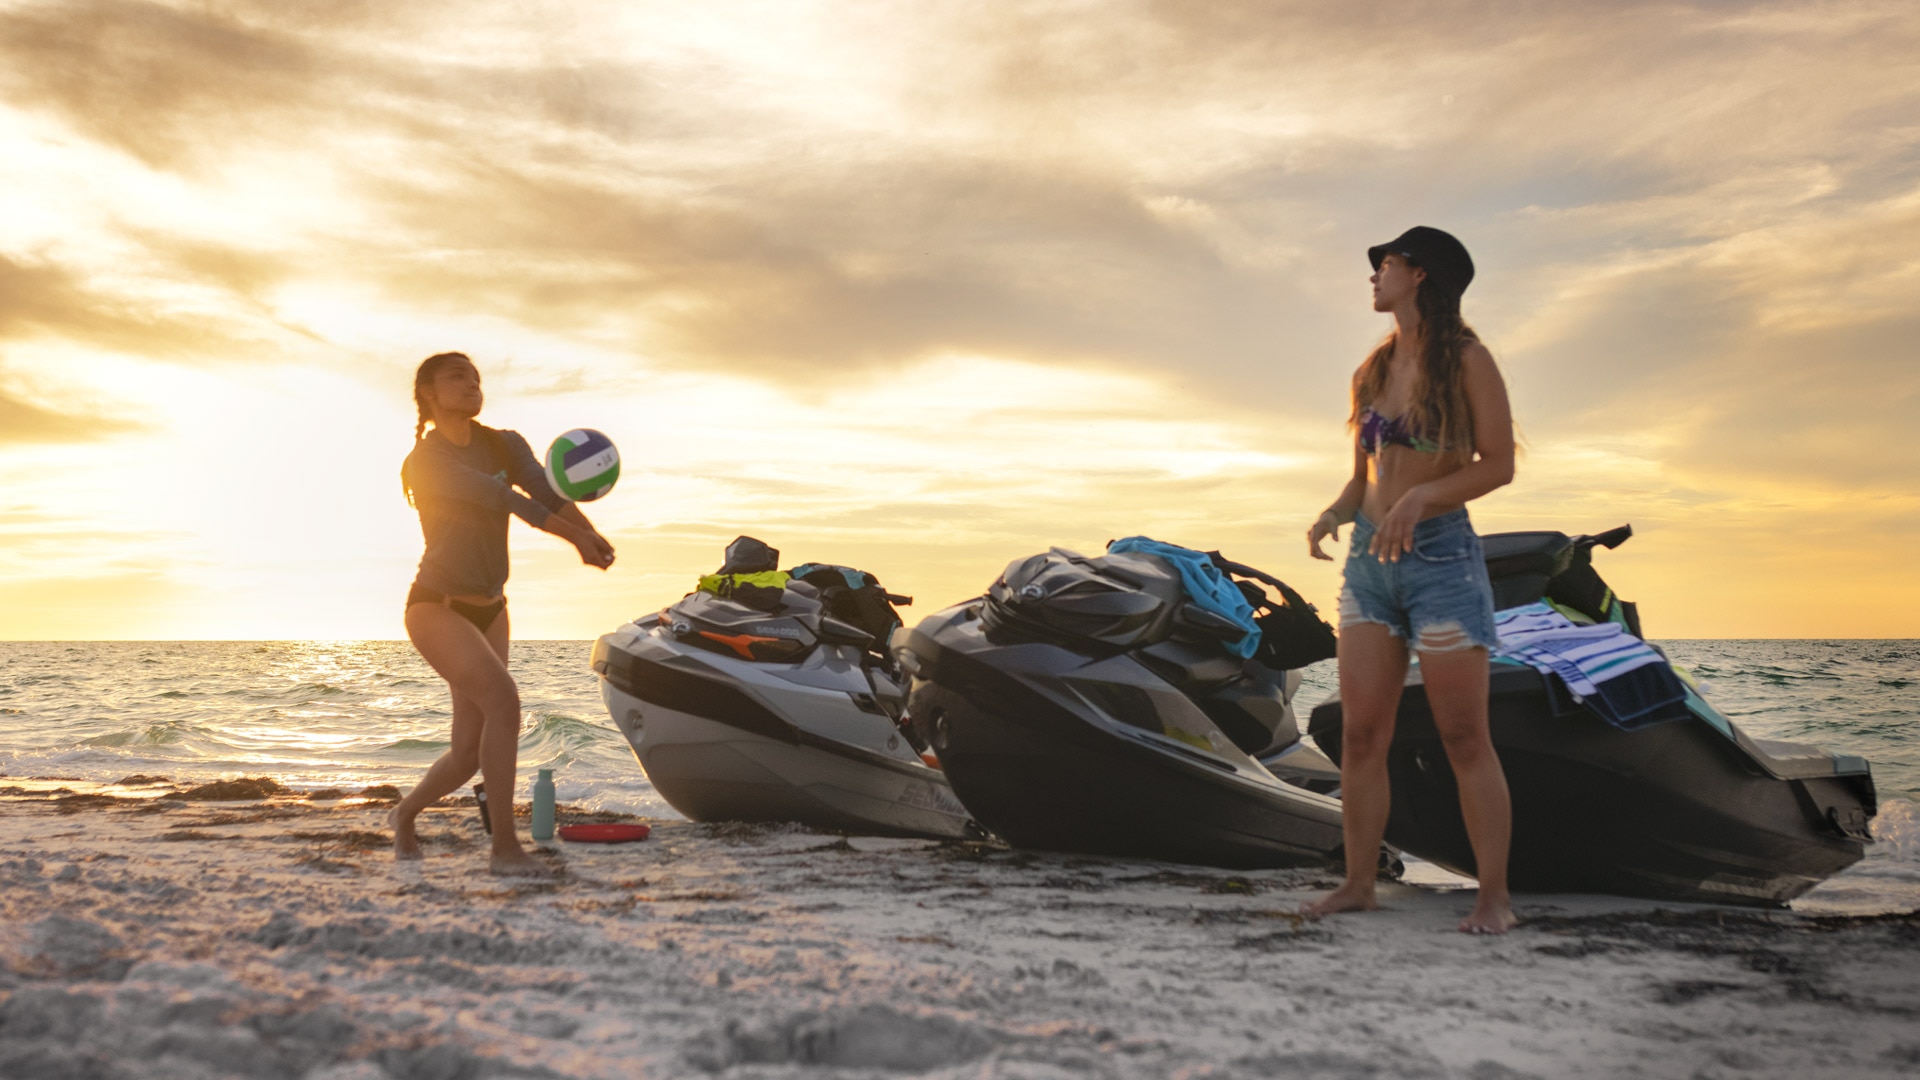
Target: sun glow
928,288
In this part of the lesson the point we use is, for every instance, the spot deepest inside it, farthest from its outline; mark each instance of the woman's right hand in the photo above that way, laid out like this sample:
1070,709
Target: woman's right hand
1324,526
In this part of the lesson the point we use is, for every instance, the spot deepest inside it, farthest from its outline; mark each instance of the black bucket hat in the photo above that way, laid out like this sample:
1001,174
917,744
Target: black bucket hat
1443,257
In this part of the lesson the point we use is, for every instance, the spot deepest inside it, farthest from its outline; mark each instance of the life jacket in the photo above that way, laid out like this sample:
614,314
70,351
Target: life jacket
760,591
723,585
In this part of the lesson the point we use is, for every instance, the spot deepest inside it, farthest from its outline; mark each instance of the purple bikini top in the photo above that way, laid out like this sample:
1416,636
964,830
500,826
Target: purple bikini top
1377,431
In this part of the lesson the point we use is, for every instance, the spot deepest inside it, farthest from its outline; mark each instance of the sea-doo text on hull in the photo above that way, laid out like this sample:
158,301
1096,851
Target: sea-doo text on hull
1086,705
1687,809
770,703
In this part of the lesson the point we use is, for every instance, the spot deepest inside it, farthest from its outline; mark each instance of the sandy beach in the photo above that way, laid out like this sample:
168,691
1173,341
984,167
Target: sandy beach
147,933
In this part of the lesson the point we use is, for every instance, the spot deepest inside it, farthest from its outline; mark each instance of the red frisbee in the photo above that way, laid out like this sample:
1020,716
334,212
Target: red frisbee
603,834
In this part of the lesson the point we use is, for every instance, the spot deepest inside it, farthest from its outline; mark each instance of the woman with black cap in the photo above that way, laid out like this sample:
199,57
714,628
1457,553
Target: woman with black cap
1432,432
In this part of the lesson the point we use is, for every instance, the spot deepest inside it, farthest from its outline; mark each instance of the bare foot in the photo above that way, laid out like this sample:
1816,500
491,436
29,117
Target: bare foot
518,864
1348,897
1490,915
406,843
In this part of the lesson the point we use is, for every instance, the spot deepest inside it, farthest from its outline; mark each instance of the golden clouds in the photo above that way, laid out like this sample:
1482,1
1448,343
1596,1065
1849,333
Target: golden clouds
933,284
934,477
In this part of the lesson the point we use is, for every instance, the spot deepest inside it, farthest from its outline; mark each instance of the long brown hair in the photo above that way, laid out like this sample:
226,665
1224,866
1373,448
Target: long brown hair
1439,409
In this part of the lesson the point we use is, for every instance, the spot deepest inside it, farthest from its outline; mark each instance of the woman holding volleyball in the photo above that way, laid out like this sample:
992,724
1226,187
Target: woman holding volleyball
461,477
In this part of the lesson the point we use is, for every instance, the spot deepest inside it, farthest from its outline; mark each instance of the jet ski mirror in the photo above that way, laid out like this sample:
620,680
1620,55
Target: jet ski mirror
838,632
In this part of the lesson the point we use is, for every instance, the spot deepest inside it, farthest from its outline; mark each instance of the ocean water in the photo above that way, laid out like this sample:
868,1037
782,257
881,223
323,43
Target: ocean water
311,714
345,714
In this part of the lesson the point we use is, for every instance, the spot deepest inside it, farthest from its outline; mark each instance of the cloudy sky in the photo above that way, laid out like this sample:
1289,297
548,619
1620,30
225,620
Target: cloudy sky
926,286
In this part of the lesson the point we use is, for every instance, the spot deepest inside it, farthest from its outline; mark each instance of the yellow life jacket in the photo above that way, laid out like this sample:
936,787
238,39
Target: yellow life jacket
723,584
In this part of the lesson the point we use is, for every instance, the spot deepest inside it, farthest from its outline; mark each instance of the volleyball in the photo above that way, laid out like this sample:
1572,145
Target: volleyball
582,465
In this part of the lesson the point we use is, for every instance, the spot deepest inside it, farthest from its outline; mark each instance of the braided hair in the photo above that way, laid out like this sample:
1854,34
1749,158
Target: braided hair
422,383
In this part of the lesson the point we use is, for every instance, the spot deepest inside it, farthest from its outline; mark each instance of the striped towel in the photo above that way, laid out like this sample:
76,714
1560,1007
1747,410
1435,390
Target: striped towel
1583,656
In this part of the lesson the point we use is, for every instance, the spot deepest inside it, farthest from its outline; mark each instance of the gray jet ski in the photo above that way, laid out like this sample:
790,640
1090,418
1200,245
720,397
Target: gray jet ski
1085,705
768,696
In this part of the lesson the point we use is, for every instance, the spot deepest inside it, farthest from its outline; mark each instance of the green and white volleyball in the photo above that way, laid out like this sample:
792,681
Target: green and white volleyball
582,465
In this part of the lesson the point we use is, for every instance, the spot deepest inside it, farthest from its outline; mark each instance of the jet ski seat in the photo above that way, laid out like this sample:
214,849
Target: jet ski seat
1116,602
750,608
1521,564
1527,567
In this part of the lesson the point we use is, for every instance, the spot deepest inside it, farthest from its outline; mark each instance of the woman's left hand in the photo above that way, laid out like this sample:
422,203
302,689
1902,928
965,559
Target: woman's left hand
598,552
1394,536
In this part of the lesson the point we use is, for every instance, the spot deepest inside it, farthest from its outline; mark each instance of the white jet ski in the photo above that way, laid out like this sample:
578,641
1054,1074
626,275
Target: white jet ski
769,696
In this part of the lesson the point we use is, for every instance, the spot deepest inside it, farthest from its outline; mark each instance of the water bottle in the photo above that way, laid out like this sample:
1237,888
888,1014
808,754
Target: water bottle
543,805
480,799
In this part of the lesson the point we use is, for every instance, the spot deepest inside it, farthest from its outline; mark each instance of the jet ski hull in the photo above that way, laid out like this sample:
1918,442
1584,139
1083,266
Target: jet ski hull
725,740
1676,811
1040,767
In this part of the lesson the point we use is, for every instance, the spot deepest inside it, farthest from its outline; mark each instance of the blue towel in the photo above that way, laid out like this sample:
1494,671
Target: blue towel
1641,698
1584,656
1613,673
1207,586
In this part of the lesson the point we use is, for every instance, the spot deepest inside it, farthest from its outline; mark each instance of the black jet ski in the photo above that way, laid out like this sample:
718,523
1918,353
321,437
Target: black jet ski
1087,705
768,695
1690,809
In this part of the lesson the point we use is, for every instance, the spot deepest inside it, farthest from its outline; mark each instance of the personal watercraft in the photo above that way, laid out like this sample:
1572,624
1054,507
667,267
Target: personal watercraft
1689,809
767,695
1089,705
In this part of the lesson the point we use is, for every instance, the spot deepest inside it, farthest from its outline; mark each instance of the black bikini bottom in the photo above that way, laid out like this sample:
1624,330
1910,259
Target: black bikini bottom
480,615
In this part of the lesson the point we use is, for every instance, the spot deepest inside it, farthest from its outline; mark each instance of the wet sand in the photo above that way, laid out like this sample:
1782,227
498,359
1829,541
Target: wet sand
143,934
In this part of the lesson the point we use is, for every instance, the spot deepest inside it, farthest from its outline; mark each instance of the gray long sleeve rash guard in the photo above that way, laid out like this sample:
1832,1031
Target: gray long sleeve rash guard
464,494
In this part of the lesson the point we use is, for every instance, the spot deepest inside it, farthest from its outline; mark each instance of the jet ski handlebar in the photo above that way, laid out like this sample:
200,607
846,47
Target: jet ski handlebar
898,601
1288,596
840,632
1198,618
1610,539
1243,570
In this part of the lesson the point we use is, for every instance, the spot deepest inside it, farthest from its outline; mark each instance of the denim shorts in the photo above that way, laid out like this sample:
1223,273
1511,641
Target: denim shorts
1437,596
